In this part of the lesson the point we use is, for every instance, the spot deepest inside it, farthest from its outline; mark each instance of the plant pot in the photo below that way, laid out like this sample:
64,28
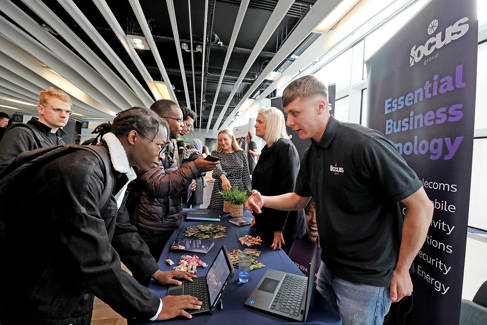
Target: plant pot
226,206
236,210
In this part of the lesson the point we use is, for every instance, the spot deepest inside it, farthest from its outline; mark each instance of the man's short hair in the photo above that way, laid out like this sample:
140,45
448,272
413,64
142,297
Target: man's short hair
188,112
305,87
53,92
4,115
162,106
275,124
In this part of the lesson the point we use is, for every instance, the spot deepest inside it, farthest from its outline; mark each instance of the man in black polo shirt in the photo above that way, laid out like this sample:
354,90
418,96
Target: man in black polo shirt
54,110
357,180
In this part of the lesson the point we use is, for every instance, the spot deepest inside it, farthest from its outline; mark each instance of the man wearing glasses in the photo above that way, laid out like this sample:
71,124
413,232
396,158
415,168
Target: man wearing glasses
54,109
159,210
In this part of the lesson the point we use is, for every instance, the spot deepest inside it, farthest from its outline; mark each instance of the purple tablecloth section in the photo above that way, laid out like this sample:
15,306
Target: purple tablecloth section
234,312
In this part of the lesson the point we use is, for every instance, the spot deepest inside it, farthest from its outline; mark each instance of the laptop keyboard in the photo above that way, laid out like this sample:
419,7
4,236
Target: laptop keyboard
290,295
198,289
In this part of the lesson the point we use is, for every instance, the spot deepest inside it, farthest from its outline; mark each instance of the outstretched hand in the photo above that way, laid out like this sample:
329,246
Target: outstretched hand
173,306
255,202
168,277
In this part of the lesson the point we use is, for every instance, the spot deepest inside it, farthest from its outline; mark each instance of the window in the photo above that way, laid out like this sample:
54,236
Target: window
341,109
365,109
481,100
477,215
338,71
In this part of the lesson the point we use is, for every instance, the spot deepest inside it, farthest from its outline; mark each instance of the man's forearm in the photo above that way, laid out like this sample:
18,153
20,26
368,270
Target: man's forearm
285,202
416,224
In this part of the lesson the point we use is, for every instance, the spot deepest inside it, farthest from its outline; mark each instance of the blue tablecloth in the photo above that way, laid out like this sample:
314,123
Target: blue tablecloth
234,312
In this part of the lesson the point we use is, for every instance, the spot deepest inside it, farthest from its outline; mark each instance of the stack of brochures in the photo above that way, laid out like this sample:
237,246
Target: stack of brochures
243,221
193,245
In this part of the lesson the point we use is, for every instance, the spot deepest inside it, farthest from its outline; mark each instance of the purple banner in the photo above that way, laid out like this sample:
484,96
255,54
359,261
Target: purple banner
422,97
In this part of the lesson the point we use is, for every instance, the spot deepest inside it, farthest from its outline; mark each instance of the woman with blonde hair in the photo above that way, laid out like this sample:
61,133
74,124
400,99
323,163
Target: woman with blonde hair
232,171
275,174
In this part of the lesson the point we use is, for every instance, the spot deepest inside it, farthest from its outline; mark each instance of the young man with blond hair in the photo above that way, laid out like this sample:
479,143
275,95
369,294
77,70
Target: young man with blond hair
357,179
54,109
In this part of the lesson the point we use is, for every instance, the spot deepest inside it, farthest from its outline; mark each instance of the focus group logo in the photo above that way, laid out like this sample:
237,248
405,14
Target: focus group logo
436,42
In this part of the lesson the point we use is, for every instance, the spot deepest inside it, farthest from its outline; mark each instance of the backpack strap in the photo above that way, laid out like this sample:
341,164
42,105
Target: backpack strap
102,152
32,131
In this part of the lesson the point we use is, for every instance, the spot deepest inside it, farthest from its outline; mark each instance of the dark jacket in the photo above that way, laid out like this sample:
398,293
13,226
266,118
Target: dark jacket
251,146
19,139
197,195
274,174
160,206
63,249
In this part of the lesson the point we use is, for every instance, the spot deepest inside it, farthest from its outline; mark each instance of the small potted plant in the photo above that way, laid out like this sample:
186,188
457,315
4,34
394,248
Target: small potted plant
237,200
226,194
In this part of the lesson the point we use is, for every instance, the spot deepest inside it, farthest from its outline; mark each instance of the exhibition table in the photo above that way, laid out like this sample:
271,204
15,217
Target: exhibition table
234,312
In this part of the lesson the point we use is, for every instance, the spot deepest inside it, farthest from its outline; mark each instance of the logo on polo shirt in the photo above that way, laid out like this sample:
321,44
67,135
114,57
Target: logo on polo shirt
336,170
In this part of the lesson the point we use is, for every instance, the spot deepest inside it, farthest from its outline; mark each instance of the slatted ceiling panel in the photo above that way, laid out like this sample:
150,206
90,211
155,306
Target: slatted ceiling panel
83,30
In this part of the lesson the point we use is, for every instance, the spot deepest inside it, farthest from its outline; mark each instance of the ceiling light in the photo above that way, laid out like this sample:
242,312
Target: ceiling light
17,101
10,107
273,75
335,15
161,88
139,42
249,105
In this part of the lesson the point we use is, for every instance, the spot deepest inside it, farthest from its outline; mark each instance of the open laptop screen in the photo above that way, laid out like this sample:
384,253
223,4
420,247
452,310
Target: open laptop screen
217,275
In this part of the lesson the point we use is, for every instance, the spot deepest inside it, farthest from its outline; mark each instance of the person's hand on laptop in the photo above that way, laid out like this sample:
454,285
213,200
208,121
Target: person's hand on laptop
168,277
255,202
173,306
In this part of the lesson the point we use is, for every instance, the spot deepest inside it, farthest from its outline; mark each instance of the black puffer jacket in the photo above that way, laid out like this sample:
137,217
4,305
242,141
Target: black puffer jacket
63,249
160,206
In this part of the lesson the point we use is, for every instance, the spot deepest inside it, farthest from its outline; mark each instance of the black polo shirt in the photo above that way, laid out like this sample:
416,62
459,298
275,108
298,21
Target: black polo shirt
357,179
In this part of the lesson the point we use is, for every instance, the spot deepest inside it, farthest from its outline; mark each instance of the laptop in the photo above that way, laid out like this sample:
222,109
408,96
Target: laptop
208,288
285,294
202,215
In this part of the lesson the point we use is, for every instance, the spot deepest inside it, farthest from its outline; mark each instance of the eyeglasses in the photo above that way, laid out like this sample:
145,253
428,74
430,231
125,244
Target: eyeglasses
179,119
162,146
189,125
59,110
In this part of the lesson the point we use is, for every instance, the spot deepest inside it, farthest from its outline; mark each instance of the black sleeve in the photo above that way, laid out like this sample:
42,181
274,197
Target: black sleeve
302,181
382,163
83,232
132,249
288,161
14,142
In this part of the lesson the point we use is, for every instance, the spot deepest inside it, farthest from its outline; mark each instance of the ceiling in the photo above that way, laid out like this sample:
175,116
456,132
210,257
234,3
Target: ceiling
81,46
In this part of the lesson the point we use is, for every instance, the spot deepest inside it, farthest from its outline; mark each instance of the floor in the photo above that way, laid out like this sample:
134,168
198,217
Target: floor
104,315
